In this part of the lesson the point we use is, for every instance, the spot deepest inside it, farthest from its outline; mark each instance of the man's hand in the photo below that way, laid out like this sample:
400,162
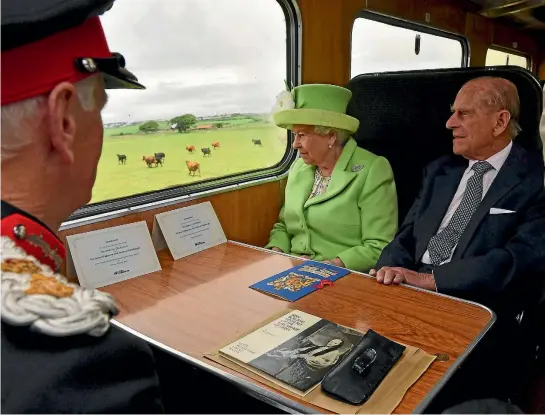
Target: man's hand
336,261
398,275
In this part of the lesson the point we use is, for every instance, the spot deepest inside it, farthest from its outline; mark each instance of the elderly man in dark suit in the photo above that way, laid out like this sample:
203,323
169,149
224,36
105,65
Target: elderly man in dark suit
59,352
477,228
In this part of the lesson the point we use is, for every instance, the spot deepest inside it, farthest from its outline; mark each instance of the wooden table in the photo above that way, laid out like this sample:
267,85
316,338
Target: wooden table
203,301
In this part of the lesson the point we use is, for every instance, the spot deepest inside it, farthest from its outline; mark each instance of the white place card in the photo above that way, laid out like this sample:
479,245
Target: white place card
110,255
187,230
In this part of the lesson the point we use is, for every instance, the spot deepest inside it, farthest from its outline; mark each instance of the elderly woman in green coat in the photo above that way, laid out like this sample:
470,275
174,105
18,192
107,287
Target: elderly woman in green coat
340,200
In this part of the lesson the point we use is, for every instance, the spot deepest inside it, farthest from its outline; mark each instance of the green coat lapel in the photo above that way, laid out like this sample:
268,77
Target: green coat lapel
301,185
340,178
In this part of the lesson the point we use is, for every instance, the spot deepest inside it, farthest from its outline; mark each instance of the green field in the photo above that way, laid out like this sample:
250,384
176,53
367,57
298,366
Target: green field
235,155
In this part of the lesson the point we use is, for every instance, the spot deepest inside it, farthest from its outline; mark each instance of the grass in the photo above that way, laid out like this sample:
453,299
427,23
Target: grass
235,155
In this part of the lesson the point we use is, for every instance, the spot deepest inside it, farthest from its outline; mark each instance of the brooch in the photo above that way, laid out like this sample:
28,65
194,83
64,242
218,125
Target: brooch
357,167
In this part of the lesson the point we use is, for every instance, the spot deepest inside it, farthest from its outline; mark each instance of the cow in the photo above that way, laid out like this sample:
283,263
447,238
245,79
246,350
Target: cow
190,149
216,144
206,151
121,159
193,167
150,160
257,142
159,155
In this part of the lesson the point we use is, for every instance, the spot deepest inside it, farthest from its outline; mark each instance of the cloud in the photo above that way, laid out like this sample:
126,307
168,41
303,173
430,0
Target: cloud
198,56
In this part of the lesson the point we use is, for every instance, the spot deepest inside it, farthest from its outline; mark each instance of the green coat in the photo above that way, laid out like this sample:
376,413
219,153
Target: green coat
353,220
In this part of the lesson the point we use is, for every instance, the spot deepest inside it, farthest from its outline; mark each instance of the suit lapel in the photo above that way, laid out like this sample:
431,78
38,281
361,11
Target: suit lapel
339,178
444,188
511,173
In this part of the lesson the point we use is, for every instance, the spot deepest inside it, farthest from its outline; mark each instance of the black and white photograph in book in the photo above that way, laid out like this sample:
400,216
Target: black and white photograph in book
303,361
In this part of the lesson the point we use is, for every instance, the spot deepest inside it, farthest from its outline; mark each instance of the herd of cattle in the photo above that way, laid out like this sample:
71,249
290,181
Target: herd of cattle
192,166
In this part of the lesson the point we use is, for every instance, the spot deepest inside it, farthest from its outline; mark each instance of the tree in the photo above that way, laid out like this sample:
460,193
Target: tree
183,122
219,125
149,127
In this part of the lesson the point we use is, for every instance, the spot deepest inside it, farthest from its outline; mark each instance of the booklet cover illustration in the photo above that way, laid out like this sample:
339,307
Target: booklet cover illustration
296,350
300,280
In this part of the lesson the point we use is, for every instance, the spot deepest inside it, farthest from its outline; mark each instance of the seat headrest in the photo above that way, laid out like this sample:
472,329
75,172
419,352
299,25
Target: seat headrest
403,117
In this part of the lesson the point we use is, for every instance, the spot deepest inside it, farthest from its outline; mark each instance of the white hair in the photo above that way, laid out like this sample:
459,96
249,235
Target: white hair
502,94
342,135
19,118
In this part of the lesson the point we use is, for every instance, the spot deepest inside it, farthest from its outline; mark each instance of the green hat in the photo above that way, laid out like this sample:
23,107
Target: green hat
315,104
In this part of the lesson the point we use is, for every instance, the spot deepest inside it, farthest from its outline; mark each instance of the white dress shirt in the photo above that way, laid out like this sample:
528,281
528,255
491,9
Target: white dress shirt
496,161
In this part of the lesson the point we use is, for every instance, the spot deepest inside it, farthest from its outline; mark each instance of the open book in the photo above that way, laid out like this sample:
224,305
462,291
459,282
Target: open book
296,350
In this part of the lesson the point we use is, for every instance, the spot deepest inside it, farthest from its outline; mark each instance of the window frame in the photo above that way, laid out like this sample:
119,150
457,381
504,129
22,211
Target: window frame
146,200
510,51
419,27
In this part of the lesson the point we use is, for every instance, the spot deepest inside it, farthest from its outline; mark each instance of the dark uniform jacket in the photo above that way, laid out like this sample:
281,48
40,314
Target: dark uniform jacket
42,373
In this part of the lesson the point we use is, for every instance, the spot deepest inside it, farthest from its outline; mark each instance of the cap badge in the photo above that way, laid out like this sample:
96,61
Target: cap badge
89,64
19,231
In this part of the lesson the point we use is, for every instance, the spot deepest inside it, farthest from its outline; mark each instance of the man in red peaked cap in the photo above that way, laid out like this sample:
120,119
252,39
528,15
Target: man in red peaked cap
59,352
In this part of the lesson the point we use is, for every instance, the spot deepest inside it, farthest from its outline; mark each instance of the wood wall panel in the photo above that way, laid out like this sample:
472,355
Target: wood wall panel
445,15
479,35
246,215
326,47
541,66
506,36
392,8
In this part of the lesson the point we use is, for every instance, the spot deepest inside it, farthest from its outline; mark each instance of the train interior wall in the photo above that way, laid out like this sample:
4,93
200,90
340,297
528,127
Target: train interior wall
247,214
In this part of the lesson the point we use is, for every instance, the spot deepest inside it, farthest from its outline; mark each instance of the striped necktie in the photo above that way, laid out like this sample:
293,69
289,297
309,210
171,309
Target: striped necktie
441,244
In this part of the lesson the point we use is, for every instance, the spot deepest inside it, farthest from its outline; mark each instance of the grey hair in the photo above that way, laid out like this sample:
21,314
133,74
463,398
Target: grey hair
19,118
342,135
501,94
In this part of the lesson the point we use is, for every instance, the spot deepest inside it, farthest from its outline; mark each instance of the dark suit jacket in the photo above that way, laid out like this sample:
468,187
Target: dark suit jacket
498,255
114,373
110,374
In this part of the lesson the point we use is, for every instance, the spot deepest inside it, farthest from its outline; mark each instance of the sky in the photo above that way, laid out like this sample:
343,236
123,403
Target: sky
208,57
203,57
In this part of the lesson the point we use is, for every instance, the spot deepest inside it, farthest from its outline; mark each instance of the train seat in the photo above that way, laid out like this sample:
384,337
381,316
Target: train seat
403,115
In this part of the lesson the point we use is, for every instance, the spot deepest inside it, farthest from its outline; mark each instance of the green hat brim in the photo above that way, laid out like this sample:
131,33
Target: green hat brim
288,118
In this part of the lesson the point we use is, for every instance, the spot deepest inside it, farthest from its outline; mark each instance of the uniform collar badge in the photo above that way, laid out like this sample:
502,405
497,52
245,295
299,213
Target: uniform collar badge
35,239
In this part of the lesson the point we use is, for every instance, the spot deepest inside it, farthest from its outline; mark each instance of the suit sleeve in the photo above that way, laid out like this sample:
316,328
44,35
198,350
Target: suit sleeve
487,276
400,252
280,237
378,209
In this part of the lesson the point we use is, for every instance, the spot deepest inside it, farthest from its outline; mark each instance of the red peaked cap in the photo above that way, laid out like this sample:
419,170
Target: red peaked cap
36,68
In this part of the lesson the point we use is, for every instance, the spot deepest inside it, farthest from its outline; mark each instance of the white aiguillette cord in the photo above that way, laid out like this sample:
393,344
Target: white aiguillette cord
86,311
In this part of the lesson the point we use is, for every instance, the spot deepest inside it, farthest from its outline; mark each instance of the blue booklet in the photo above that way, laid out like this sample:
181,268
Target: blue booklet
300,280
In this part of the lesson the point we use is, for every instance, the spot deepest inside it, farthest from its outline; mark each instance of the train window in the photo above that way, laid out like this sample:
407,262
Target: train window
381,44
495,57
212,70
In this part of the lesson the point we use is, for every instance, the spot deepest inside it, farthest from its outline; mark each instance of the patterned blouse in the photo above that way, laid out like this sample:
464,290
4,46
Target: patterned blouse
320,184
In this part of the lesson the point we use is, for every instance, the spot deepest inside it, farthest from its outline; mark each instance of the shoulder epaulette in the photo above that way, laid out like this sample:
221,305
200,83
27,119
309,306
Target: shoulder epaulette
35,296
